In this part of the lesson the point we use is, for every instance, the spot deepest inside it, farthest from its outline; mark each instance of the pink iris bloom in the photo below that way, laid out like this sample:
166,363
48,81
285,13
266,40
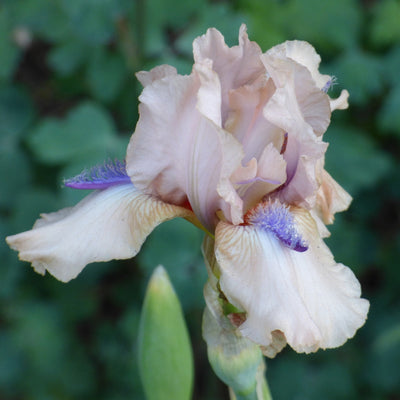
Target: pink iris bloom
236,148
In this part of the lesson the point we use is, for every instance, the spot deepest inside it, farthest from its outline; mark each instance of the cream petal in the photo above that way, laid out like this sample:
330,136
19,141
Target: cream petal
247,122
159,72
235,66
312,300
178,154
303,156
107,224
331,198
304,54
271,173
297,101
209,94
341,102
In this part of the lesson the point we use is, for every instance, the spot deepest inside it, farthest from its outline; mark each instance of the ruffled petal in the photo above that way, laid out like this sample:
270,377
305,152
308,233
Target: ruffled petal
341,102
304,54
313,301
270,174
297,102
179,154
107,224
235,66
247,122
331,198
159,72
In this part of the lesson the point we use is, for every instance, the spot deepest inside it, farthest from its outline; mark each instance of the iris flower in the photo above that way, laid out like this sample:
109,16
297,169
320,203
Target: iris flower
237,148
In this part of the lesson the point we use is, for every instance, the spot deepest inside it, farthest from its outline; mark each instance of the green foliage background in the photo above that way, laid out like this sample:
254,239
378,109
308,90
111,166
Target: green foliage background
68,100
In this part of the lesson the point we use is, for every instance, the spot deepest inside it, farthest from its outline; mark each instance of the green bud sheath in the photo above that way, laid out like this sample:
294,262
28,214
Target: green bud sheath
236,360
165,353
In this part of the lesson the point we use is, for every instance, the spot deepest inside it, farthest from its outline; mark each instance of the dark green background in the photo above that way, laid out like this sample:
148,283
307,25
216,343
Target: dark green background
68,100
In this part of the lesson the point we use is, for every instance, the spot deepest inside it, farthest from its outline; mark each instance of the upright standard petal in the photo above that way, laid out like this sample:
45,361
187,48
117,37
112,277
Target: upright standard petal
309,298
178,151
247,122
235,66
107,224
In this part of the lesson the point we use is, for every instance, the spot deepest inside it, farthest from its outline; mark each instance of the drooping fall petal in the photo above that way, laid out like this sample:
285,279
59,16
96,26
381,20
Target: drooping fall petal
308,297
107,224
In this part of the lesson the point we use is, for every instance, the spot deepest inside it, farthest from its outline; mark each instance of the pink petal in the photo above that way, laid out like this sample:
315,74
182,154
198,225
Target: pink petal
341,102
271,173
247,121
304,54
331,198
297,102
313,301
159,72
108,224
179,154
235,66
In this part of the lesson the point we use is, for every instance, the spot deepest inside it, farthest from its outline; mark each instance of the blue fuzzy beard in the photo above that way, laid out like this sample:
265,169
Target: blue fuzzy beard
277,219
110,173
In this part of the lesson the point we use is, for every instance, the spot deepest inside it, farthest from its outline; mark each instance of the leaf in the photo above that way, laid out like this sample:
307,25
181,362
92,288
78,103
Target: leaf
87,131
165,354
9,52
93,20
178,249
385,27
106,74
328,25
67,57
16,113
42,17
389,116
360,73
15,176
354,159
325,23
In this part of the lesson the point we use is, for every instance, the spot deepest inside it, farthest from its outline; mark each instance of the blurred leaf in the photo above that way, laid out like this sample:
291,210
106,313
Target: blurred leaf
11,365
385,27
106,74
327,380
88,130
267,21
355,160
9,52
162,20
29,206
384,359
67,57
16,113
389,116
165,354
93,20
15,176
353,244
325,23
43,17
391,62
43,339
360,73
177,245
